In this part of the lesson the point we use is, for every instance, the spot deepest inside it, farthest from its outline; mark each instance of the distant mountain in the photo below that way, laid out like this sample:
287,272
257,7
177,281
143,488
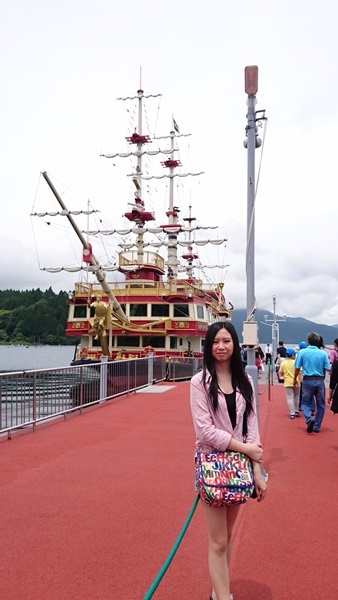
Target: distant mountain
291,331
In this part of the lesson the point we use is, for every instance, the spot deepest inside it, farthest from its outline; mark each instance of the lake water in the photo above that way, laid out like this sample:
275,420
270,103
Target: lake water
25,358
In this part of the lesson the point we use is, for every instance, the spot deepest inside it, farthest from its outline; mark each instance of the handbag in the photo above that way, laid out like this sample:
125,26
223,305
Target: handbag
225,478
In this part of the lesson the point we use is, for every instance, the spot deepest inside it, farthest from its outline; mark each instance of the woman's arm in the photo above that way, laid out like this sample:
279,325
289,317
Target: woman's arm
260,481
253,450
206,431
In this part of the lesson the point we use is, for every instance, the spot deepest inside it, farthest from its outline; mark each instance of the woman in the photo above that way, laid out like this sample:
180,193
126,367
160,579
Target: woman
222,383
332,398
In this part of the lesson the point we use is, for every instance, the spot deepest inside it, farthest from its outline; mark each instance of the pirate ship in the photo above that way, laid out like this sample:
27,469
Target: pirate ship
159,302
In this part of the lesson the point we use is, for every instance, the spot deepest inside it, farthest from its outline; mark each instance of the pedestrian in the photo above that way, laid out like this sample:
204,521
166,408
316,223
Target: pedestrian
220,394
244,356
260,352
301,346
281,352
292,390
314,362
268,354
334,352
258,361
332,398
281,355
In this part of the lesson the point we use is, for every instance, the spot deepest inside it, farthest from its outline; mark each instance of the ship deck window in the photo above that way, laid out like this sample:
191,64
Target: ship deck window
160,310
128,341
181,310
80,312
200,312
155,341
173,343
138,310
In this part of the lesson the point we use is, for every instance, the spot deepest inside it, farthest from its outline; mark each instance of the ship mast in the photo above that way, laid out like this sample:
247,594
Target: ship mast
100,275
190,256
138,214
172,228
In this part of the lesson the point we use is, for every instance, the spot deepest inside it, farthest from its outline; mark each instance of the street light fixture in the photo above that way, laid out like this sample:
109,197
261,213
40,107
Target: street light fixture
275,327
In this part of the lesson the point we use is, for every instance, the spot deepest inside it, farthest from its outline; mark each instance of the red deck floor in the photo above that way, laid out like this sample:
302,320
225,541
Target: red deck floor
91,507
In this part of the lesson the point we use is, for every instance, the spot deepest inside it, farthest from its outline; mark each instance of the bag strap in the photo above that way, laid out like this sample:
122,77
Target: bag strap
245,424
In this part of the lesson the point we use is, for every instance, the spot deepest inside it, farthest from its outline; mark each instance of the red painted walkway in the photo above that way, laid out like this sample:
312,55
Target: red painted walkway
82,517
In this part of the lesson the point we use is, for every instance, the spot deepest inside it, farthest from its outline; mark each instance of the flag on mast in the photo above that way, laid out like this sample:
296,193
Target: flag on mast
175,126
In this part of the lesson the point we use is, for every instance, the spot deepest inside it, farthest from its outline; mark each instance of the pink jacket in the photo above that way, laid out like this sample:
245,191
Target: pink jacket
214,430
333,355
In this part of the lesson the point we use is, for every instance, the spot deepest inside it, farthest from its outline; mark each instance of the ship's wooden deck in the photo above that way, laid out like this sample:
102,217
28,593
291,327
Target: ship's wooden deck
91,506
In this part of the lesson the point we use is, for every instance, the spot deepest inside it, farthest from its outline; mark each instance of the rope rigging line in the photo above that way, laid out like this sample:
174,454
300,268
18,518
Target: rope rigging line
172,553
59,226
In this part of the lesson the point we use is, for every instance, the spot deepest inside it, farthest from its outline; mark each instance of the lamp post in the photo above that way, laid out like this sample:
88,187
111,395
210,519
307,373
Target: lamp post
250,328
274,327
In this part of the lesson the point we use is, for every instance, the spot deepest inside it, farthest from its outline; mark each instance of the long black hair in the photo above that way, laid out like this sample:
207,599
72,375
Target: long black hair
239,378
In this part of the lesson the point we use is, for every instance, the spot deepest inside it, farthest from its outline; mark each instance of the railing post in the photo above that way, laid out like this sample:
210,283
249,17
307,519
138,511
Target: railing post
81,389
34,401
103,377
1,404
150,368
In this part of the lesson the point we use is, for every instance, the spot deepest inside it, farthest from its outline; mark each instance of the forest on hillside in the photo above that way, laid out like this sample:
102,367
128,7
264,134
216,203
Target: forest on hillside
34,317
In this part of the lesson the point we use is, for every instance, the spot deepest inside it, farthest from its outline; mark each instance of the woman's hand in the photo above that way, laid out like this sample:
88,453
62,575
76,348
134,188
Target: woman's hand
254,451
260,487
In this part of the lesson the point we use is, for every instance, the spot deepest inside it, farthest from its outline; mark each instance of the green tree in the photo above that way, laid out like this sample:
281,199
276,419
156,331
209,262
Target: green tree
33,316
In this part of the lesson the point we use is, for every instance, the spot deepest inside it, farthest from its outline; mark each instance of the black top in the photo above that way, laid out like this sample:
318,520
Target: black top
231,404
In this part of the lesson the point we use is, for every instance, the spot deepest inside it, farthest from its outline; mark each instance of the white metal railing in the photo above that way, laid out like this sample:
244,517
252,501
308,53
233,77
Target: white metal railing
30,397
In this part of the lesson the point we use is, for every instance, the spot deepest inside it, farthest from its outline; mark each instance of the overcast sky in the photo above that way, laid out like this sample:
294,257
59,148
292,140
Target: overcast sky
64,64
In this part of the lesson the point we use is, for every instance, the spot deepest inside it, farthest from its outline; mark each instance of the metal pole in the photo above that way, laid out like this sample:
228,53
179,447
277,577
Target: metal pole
103,377
150,368
251,86
274,330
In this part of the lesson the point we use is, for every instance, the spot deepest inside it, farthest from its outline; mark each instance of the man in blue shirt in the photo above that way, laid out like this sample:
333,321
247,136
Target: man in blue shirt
314,362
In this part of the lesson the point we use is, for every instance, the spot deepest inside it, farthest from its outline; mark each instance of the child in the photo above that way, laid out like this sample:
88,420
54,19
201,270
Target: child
287,370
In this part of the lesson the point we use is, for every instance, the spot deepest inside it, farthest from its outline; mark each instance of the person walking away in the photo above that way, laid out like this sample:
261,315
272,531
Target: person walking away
301,346
287,370
281,352
334,352
260,352
281,355
258,362
332,398
314,362
220,395
244,356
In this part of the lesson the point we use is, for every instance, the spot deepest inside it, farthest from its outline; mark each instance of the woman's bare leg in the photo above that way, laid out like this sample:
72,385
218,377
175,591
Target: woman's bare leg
220,522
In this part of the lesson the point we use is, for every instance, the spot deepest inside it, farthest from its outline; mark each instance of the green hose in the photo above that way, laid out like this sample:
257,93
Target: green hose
173,551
